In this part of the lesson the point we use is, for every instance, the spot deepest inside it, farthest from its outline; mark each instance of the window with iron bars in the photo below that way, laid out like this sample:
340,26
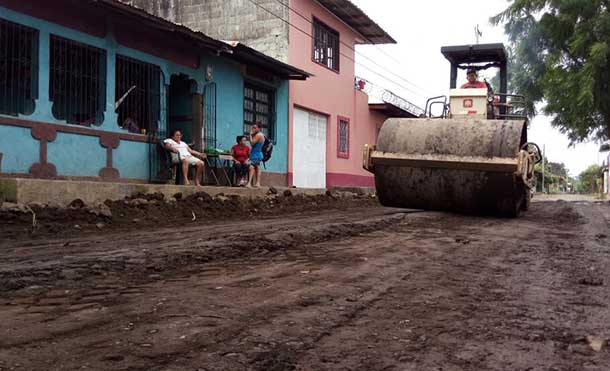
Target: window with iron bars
77,85
18,68
138,94
325,45
343,137
259,108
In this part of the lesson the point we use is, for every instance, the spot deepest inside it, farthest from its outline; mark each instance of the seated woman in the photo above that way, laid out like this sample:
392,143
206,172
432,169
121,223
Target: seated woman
241,155
182,153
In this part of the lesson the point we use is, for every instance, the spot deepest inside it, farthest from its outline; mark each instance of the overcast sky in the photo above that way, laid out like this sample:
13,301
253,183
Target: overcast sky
421,28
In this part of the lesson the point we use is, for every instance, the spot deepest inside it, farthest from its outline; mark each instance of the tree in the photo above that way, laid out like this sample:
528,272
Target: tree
560,51
589,179
558,169
554,175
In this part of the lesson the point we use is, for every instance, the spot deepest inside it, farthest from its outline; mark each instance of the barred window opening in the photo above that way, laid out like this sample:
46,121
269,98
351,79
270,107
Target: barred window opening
325,45
138,94
259,107
18,68
343,138
77,85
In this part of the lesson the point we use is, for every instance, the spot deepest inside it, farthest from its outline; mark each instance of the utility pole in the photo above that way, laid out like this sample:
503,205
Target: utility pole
543,160
477,33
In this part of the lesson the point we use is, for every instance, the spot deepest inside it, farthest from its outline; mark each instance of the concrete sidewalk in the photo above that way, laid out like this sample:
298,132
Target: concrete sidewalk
62,192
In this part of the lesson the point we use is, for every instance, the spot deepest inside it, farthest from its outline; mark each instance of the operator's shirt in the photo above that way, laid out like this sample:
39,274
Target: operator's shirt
475,85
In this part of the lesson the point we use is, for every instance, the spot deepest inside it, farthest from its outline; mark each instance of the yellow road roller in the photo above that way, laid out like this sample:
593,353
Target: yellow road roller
468,153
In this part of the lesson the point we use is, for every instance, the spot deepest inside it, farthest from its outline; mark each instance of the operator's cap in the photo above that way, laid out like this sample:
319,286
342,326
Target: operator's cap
471,70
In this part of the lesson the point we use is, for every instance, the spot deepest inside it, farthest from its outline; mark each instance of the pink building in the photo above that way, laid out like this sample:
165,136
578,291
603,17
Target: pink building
329,119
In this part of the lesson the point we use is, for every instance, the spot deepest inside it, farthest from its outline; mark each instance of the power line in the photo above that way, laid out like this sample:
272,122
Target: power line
360,54
344,55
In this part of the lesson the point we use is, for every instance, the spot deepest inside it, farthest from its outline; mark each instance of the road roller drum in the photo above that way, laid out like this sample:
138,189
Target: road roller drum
463,165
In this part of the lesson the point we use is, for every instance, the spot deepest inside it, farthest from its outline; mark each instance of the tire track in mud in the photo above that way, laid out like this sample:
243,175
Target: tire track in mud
322,234
236,344
369,292
495,308
223,243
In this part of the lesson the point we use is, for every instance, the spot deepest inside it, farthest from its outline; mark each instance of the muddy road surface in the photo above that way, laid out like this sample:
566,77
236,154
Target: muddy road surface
360,288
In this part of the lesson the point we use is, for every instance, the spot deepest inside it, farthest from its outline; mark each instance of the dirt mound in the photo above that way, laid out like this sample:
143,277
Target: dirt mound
150,210
566,213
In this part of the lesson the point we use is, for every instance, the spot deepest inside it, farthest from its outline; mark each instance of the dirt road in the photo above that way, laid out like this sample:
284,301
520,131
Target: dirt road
355,289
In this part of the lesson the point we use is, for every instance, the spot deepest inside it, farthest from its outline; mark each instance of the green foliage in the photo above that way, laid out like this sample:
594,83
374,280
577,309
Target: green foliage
560,55
558,169
590,179
555,176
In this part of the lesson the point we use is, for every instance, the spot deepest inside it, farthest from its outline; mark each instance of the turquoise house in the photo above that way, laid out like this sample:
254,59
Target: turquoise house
89,88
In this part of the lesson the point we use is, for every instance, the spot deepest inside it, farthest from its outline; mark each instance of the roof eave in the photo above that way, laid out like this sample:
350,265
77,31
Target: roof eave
359,21
245,54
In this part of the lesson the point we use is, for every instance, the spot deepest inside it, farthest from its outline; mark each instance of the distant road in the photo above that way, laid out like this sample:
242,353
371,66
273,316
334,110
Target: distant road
566,197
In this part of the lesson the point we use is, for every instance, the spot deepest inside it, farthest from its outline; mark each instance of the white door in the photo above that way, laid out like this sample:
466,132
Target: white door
309,149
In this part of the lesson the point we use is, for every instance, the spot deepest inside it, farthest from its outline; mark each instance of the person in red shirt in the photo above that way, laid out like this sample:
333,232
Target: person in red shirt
473,81
241,160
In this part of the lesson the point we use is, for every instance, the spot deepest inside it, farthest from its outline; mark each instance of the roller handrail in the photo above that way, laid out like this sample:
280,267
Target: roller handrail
436,100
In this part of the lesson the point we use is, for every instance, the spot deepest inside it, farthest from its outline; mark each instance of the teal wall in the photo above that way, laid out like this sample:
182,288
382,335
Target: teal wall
279,161
20,149
132,158
230,112
86,155
24,149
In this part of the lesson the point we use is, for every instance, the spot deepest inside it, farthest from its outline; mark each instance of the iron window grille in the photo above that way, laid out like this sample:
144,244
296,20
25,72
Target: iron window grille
18,68
343,137
325,45
138,95
77,85
259,107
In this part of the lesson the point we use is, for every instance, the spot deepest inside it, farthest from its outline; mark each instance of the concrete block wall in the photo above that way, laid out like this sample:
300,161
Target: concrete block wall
234,20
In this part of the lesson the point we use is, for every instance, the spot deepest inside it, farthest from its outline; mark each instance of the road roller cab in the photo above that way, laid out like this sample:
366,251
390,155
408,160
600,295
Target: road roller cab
468,153
478,103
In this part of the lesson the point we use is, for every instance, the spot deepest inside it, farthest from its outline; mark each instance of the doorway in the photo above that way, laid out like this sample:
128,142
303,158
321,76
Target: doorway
309,149
183,112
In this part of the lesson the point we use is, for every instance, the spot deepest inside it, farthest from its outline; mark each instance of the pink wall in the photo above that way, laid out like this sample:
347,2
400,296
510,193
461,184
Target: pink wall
363,130
330,93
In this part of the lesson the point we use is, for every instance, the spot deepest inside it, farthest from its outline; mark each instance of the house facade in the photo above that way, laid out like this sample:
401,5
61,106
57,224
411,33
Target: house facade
88,89
329,115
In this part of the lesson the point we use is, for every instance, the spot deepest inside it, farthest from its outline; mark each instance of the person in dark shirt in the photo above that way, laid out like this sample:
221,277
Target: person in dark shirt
241,160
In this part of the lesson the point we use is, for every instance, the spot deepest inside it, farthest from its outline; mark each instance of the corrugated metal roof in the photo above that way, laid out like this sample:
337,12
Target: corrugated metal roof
247,55
358,20
238,52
